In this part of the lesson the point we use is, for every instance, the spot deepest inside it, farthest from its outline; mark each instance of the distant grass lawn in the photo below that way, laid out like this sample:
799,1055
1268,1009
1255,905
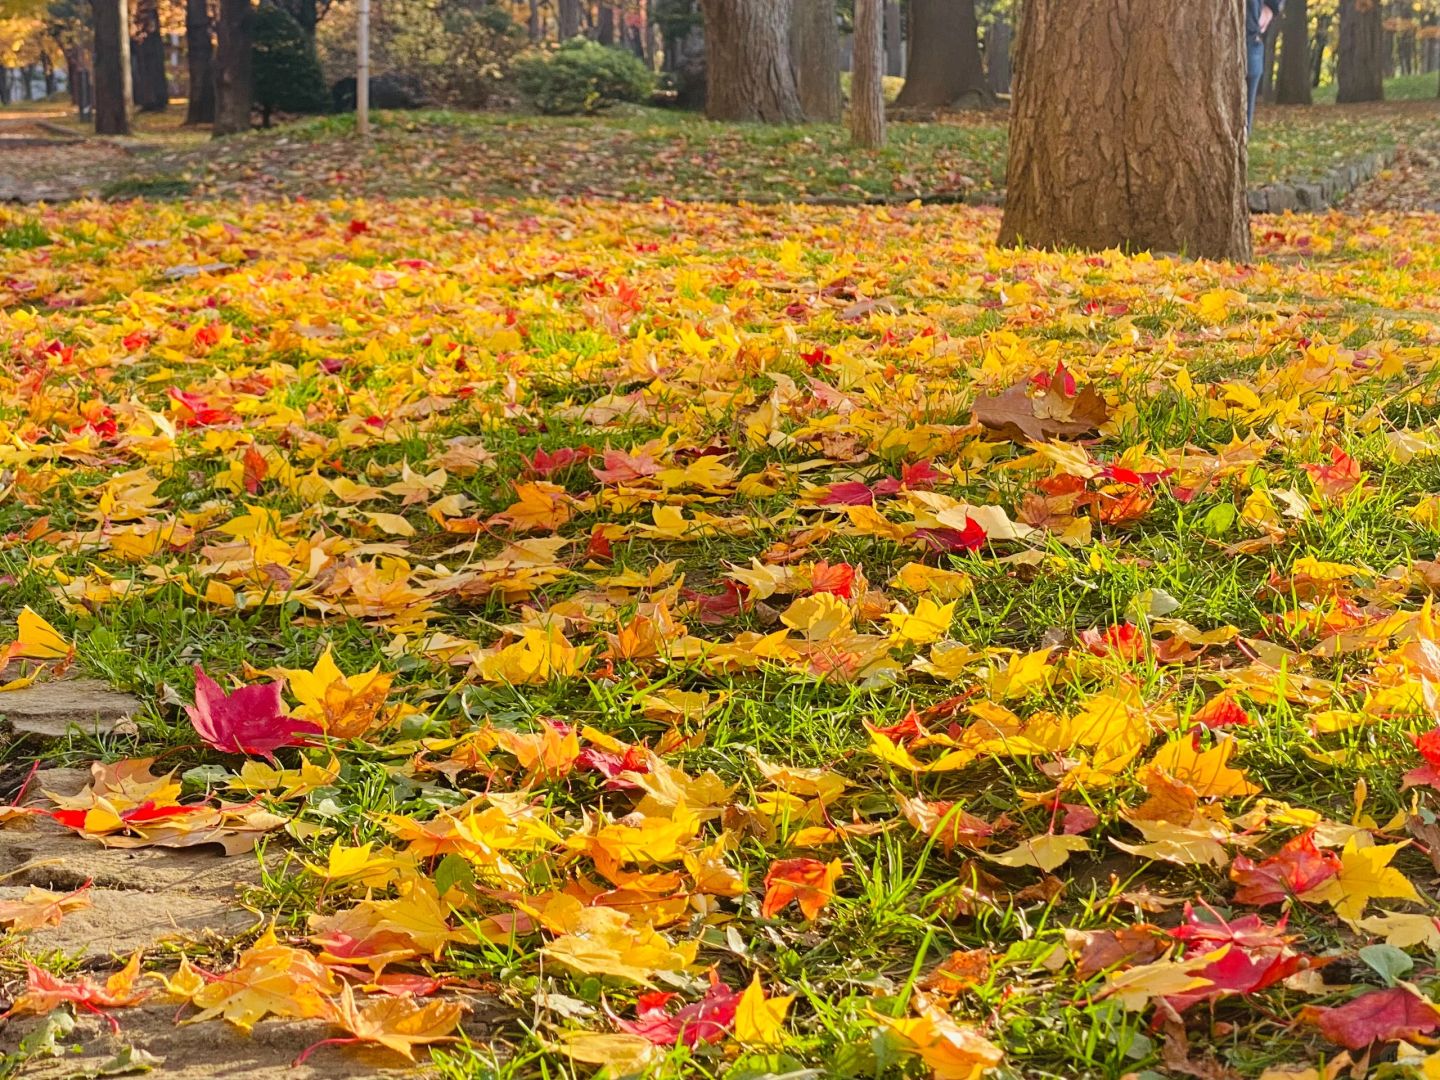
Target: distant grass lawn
647,153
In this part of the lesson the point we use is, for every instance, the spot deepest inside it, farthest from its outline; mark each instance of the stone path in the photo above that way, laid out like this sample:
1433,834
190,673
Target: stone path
154,900
39,163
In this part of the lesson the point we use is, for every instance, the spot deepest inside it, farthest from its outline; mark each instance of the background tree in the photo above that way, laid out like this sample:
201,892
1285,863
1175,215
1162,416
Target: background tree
1360,61
199,52
944,66
569,19
112,67
1127,128
152,88
867,87
747,61
234,39
286,74
1292,85
815,53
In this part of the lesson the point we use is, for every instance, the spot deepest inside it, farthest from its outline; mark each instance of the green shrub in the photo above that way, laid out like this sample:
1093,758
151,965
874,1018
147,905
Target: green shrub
582,77
287,73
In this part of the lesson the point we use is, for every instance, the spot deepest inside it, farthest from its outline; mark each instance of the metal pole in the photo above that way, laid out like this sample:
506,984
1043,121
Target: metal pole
362,70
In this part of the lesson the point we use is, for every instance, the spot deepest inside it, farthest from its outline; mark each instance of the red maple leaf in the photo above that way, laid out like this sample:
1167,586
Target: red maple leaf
848,493
1377,1016
708,1020
1295,869
249,720
838,580
1219,712
1122,641
970,538
621,467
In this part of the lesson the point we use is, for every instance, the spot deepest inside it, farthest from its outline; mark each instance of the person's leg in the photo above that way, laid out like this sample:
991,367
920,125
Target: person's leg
1254,63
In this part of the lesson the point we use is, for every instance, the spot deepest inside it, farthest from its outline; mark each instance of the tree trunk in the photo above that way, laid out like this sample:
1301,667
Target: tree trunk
569,19
47,70
997,57
112,65
1292,86
894,26
747,61
1267,69
152,92
199,53
867,88
815,53
606,33
234,40
534,24
1127,128
1359,66
944,66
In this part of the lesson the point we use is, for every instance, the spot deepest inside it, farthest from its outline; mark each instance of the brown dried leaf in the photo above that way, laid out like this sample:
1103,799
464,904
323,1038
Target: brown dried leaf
1017,416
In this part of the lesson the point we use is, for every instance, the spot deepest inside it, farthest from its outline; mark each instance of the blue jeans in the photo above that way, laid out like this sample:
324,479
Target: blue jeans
1254,65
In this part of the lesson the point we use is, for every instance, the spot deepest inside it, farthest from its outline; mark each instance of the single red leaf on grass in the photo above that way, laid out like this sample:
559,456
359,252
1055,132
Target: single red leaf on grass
248,720
1377,1016
1295,869
708,1020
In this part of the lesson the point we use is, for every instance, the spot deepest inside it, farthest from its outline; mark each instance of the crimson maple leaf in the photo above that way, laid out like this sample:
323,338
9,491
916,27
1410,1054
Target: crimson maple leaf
1381,1015
249,720
708,1020
1295,869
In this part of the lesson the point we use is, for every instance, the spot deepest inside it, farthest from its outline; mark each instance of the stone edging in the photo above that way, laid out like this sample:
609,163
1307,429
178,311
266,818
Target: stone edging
1319,194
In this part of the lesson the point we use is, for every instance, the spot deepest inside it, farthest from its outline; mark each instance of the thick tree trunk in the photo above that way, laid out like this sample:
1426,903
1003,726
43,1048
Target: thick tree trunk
815,53
944,66
1292,86
606,33
1359,65
867,88
112,67
534,24
569,19
1127,128
47,70
152,92
199,54
747,61
234,40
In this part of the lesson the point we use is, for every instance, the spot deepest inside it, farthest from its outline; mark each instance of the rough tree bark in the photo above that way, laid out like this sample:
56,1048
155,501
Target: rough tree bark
569,19
944,66
112,66
234,40
1359,63
747,61
1127,128
152,92
867,88
1292,85
199,52
815,54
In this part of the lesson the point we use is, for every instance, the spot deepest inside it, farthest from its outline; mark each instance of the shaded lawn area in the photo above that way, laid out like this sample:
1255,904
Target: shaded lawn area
644,153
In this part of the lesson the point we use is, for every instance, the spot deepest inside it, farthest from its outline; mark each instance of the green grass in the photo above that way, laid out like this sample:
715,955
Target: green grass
643,153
